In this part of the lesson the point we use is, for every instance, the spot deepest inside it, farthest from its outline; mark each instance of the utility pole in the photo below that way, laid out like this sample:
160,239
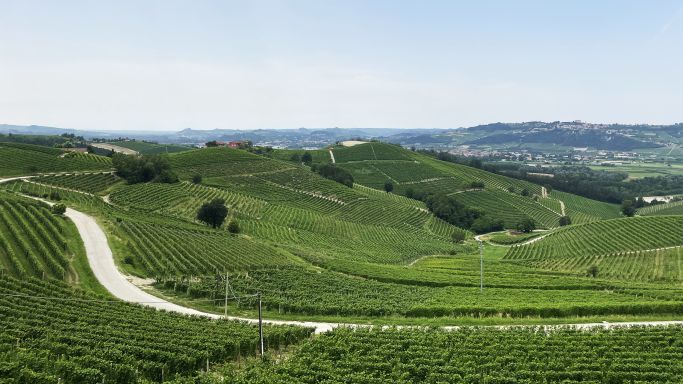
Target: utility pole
226,295
260,323
481,266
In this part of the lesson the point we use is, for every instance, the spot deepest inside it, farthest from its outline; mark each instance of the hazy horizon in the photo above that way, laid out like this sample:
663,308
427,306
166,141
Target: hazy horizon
167,66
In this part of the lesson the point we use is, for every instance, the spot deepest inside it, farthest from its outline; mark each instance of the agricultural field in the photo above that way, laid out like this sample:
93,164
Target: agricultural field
605,238
53,333
146,148
673,208
32,240
27,159
480,355
317,250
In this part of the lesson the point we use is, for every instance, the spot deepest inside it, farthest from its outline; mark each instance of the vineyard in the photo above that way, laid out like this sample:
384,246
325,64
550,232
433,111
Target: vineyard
168,250
630,355
293,290
32,239
674,208
604,238
26,159
146,148
318,250
53,333
87,182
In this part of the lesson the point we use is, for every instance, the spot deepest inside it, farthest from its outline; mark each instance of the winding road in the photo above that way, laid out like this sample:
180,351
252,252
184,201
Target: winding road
101,260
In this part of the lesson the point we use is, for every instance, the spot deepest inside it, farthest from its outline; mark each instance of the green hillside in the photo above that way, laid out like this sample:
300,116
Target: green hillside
374,164
146,148
673,208
26,159
641,248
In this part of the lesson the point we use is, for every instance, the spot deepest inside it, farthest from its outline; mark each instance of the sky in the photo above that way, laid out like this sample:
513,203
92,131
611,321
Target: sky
169,65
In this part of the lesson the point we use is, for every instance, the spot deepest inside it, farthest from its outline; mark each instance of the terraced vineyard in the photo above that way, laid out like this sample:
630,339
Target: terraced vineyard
168,250
212,162
32,239
663,265
635,355
26,159
674,208
53,333
604,238
511,208
88,182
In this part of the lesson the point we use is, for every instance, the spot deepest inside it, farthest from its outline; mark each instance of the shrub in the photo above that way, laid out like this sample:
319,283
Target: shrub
565,220
458,237
59,209
54,195
197,178
388,186
233,226
306,158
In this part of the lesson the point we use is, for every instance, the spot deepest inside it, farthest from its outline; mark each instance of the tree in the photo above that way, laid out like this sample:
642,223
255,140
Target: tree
306,158
295,157
388,186
197,178
210,144
565,220
213,213
511,189
628,208
233,226
458,236
592,271
332,172
59,209
525,192
526,225
141,169
477,185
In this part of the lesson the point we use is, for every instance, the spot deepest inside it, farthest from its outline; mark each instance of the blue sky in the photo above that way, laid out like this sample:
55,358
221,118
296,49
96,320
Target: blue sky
167,65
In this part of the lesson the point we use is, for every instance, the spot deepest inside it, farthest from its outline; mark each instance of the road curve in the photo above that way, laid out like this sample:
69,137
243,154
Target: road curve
101,262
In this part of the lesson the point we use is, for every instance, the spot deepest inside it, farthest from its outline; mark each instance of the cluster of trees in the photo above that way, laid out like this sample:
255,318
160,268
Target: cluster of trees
607,186
65,140
454,212
305,158
332,172
145,168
